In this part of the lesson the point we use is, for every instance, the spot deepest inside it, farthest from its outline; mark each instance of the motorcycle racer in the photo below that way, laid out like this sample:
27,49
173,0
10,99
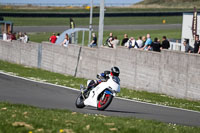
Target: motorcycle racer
102,77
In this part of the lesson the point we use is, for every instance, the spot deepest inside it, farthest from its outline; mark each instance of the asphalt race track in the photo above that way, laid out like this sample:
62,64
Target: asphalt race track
19,90
95,27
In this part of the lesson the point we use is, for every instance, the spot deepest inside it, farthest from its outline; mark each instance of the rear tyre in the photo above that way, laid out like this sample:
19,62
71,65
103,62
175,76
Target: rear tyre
104,102
80,102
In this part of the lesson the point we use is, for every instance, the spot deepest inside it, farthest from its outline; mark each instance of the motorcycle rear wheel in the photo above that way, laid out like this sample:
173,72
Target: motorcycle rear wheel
80,102
104,102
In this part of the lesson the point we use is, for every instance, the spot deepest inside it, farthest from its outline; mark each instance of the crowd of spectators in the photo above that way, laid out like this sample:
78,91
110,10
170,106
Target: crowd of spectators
142,42
22,37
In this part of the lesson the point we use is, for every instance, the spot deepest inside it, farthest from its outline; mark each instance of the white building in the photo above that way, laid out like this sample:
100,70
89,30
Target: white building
187,29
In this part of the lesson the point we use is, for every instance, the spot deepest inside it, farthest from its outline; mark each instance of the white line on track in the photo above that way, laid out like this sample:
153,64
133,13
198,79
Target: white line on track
131,100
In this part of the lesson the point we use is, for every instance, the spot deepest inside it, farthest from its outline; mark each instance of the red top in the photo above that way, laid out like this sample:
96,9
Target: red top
53,39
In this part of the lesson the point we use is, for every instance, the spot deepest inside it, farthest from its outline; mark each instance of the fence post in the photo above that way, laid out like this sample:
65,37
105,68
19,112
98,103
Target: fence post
39,56
79,54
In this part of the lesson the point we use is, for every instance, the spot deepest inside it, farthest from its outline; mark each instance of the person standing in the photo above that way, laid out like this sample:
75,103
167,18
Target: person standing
4,36
53,38
26,38
197,45
125,39
165,43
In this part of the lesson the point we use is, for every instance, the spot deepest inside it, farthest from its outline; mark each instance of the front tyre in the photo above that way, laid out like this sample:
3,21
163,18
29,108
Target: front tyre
80,102
104,101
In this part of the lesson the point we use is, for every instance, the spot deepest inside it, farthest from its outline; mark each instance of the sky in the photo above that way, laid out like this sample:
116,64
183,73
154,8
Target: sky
67,1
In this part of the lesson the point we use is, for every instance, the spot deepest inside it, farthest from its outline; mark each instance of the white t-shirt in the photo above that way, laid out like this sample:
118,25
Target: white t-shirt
140,43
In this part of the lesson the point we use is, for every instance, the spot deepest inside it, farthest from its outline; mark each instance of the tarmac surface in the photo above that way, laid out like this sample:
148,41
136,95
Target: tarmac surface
19,90
95,27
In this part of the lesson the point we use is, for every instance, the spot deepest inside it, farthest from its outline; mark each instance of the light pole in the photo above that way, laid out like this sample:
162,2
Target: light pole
101,23
90,26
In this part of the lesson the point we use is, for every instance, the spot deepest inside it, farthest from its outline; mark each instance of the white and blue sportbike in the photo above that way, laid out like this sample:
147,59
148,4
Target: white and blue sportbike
100,96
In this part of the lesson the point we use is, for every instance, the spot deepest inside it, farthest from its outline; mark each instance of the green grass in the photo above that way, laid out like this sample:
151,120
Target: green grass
170,33
171,3
44,21
37,9
27,119
70,81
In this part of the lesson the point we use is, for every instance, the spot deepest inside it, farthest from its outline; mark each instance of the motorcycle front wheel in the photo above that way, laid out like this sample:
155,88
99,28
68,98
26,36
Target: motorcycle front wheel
104,101
80,102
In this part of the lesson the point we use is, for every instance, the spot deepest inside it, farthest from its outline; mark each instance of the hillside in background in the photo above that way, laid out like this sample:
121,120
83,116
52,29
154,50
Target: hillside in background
168,3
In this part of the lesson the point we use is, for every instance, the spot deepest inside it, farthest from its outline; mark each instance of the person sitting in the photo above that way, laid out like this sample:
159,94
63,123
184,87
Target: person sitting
94,41
109,39
148,42
57,36
188,48
156,45
140,42
131,43
65,43
115,42
125,39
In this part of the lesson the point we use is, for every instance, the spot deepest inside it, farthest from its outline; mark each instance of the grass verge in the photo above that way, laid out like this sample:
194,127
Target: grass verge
44,21
70,81
27,119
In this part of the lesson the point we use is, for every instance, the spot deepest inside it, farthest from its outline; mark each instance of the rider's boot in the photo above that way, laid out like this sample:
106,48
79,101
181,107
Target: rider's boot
91,85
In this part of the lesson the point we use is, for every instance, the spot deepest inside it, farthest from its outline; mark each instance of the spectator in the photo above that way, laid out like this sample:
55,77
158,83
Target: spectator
140,42
197,45
144,41
9,36
188,48
58,35
124,40
53,38
110,38
26,38
94,41
4,36
165,43
115,42
20,36
65,43
13,36
147,45
156,45
131,43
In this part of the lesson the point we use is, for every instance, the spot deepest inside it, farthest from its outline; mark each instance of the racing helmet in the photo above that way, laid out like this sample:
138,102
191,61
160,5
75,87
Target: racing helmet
115,71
